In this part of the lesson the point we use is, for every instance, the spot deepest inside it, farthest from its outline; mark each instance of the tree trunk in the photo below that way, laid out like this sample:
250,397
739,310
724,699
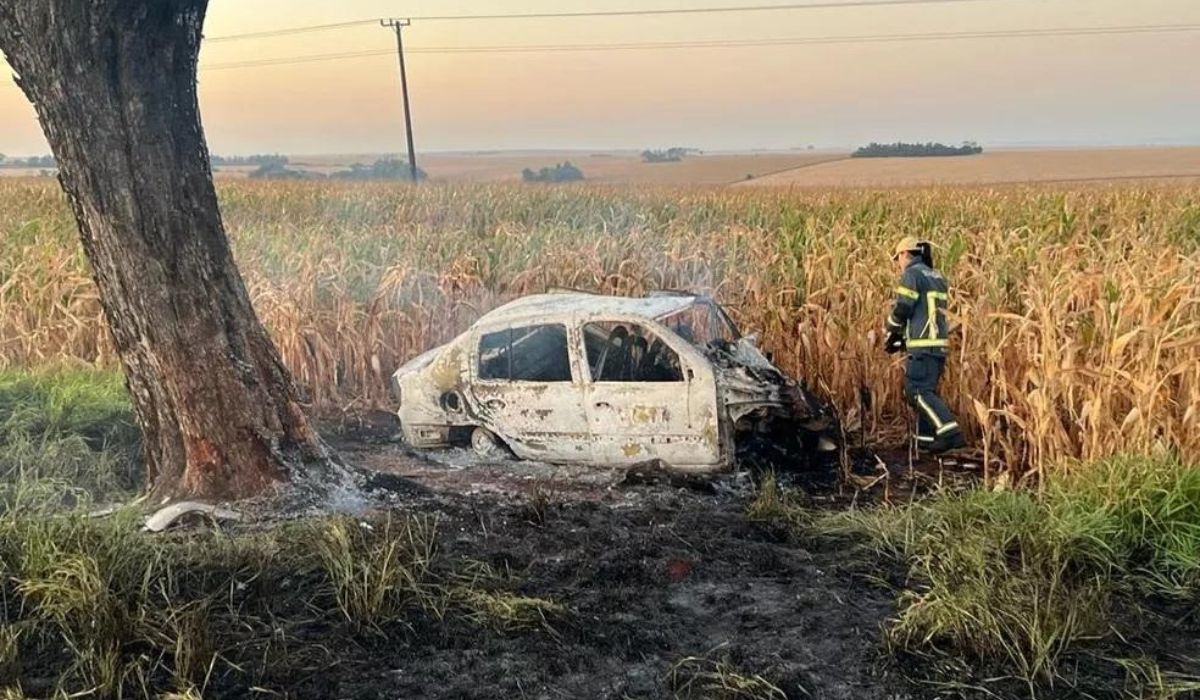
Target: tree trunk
114,85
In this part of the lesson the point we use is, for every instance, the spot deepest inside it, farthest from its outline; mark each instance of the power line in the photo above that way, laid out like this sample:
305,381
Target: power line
800,41
693,10
292,30
792,7
747,43
315,58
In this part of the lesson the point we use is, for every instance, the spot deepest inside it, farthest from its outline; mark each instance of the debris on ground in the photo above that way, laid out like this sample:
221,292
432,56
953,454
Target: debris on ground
164,518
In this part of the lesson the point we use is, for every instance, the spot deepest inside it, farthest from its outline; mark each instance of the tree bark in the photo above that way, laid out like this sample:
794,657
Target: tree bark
114,85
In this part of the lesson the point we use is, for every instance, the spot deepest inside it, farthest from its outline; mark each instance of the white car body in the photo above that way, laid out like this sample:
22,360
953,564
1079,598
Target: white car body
657,397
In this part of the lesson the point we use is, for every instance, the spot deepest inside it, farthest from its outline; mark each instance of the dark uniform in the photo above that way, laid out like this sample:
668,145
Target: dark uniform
920,313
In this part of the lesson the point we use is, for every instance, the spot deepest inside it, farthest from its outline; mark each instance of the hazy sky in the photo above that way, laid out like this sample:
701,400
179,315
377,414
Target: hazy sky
1112,89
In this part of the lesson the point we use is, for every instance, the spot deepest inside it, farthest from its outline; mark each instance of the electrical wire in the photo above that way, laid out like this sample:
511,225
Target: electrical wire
792,7
718,44
714,44
693,10
291,30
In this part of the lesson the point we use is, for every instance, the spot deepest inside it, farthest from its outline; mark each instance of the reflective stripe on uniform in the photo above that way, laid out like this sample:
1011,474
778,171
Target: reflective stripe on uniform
928,343
922,438
906,292
947,428
931,322
933,416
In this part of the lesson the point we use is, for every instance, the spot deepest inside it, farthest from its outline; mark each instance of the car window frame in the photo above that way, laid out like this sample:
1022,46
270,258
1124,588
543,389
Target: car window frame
475,357
688,355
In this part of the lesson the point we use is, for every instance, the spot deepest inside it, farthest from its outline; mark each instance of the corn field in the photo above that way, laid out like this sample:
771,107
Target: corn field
1077,308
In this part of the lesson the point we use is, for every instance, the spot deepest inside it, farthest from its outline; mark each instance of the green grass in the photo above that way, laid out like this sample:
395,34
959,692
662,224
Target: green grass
69,431
376,569
1138,518
90,403
1019,581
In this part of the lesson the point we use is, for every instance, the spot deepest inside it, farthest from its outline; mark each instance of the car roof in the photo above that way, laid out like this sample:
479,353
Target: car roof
560,304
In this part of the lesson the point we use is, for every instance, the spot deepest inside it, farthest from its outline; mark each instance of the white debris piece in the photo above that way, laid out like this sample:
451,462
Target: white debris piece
165,517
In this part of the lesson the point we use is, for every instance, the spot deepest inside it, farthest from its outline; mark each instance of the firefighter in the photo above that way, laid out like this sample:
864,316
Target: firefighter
918,325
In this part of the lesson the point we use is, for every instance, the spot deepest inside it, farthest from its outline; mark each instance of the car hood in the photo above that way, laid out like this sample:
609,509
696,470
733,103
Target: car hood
418,363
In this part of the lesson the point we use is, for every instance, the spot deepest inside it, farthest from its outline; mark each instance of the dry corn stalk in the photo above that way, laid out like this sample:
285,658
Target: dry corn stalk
1078,309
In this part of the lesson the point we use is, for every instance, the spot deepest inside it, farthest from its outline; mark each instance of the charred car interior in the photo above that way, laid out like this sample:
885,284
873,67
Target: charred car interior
580,378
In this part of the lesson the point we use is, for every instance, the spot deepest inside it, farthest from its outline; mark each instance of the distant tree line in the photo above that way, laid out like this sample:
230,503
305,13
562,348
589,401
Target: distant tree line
256,160
563,172
280,171
916,150
670,155
382,169
30,162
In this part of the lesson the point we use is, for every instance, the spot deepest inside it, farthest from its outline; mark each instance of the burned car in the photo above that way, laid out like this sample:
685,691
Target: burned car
570,377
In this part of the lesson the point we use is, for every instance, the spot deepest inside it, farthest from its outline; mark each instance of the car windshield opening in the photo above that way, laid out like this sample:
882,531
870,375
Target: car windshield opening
702,324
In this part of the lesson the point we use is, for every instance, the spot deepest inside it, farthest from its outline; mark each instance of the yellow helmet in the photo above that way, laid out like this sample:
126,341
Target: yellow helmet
908,244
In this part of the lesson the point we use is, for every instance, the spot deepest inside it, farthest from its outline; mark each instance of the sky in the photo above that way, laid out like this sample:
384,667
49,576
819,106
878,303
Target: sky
1132,89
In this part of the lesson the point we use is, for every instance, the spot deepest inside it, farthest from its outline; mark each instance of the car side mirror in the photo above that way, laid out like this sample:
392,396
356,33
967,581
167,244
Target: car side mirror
690,374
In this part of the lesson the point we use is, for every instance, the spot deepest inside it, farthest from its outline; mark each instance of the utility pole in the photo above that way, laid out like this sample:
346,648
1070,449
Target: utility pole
397,25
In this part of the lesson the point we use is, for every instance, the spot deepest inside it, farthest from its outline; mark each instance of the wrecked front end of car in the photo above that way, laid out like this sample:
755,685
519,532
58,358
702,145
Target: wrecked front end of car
771,416
429,390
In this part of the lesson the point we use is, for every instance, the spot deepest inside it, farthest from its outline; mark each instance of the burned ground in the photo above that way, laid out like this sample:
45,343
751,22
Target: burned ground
657,575
640,586
650,572
663,577
680,575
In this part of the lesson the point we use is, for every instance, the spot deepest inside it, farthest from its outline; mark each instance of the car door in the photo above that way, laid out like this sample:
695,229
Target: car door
526,388
650,396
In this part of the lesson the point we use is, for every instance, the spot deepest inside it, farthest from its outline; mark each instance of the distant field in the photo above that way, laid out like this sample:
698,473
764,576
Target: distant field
994,167
802,168
22,172
601,167
624,167
617,167
792,168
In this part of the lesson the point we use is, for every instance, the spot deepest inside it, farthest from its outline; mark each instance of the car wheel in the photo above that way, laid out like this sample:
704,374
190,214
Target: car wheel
485,444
